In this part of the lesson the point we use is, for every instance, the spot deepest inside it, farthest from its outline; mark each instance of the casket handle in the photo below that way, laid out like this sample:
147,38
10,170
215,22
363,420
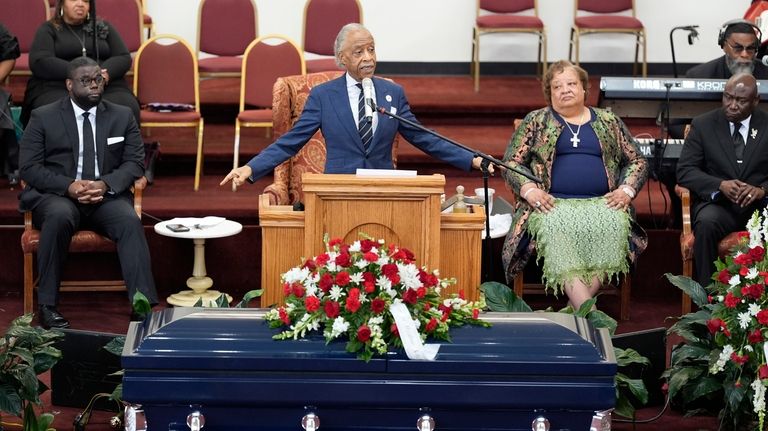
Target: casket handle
425,423
310,421
195,421
540,424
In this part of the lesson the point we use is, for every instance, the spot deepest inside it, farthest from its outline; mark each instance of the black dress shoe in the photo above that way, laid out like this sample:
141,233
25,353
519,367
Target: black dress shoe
51,318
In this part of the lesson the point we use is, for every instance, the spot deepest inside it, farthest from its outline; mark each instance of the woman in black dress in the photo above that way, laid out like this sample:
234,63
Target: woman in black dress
69,34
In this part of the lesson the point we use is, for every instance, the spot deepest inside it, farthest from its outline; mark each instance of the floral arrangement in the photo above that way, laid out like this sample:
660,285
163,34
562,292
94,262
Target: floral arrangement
727,335
346,292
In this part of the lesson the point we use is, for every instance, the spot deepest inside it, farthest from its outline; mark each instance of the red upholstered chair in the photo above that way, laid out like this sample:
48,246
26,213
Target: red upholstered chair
289,96
266,59
322,21
22,22
225,28
146,19
603,17
165,72
126,17
687,239
84,241
508,16
623,290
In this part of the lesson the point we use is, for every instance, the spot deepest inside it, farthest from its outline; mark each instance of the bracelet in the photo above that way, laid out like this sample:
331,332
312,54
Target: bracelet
528,191
629,192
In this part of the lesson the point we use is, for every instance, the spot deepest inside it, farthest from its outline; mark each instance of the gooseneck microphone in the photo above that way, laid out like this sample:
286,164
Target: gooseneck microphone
368,98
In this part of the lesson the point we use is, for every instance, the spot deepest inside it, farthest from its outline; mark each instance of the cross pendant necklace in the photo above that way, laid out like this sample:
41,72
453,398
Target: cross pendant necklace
575,138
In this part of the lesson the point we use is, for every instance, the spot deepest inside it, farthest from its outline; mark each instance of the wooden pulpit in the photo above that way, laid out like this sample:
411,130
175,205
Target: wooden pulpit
401,210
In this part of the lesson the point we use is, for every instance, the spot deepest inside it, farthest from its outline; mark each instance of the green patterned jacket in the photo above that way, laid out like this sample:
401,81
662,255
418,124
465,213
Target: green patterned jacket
532,150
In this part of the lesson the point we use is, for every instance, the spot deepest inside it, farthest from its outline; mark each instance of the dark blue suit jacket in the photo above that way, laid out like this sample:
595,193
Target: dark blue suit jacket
328,109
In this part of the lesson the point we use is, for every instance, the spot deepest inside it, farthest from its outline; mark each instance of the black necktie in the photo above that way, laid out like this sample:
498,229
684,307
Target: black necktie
738,142
89,156
364,125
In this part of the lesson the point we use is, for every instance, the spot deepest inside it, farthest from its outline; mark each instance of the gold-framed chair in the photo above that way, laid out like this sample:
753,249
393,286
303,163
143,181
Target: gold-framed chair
224,30
83,241
322,21
607,17
165,72
263,63
508,16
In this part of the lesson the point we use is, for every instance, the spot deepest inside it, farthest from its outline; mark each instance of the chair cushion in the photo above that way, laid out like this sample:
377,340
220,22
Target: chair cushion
509,21
608,21
83,241
255,116
147,19
22,63
220,64
148,116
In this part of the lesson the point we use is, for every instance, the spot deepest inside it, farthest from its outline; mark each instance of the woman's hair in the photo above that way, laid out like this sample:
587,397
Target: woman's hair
560,67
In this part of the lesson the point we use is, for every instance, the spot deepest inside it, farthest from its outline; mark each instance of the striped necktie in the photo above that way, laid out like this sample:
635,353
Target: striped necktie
364,125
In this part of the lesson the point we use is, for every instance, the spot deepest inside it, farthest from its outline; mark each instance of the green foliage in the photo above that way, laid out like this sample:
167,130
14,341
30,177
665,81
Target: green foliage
223,302
499,297
26,352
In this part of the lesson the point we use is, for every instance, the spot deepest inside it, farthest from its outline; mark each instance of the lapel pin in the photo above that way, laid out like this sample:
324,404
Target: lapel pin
754,133
388,98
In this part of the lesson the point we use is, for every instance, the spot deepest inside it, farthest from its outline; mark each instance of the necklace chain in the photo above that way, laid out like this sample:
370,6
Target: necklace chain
79,39
575,139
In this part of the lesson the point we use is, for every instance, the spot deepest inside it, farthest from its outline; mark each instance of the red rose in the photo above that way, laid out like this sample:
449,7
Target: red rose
755,336
756,290
286,289
342,278
731,301
743,271
475,313
297,290
743,235
757,253
312,303
354,293
409,256
378,305
352,304
427,306
284,317
389,269
743,259
714,325
421,292
366,245
326,282
410,297
762,372
310,265
363,333
370,257
393,330
398,255
724,276
332,309
334,242
739,359
461,294
762,317
343,260
431,325
369,282
322,259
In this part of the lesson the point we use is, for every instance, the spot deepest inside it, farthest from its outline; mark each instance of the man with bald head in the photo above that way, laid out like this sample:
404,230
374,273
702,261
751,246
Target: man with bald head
723,163
352,140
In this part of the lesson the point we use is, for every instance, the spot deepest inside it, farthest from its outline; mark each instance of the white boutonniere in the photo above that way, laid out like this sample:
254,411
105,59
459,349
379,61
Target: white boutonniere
754,133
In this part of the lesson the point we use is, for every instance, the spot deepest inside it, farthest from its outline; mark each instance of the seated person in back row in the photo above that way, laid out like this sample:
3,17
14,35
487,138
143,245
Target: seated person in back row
9,146
740,41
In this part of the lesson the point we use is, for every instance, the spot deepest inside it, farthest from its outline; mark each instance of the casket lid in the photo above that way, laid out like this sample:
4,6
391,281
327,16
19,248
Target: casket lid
526,344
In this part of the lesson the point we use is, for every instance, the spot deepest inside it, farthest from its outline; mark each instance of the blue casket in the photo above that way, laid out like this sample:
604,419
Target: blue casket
220,367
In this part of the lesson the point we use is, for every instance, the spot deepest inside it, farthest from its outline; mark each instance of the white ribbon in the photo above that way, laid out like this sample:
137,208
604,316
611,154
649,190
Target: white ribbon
414,347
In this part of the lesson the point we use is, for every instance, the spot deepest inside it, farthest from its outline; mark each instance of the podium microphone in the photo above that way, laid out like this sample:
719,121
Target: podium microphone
368,98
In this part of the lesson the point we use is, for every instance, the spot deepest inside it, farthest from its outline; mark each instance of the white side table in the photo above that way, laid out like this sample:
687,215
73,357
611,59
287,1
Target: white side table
199,283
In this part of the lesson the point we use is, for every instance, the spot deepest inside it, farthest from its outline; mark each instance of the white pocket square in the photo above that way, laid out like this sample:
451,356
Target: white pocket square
115,140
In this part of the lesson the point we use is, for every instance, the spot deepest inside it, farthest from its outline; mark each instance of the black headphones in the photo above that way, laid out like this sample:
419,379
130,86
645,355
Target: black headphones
724,29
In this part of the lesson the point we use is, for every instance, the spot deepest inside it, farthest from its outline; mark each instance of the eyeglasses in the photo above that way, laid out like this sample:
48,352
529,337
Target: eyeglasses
86,82
738,49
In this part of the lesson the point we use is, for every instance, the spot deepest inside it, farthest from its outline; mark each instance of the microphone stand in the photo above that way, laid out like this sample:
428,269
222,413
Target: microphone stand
487,161
692,33
660,144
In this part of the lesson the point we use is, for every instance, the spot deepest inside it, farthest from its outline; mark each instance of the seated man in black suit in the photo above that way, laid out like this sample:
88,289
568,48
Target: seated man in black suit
740,41
723,163
77,178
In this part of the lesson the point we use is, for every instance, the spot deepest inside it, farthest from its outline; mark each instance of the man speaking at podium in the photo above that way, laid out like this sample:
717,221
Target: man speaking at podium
355,135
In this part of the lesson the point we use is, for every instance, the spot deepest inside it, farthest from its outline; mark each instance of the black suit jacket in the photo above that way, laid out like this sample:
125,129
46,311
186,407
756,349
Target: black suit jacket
708,156
716,69
50,146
